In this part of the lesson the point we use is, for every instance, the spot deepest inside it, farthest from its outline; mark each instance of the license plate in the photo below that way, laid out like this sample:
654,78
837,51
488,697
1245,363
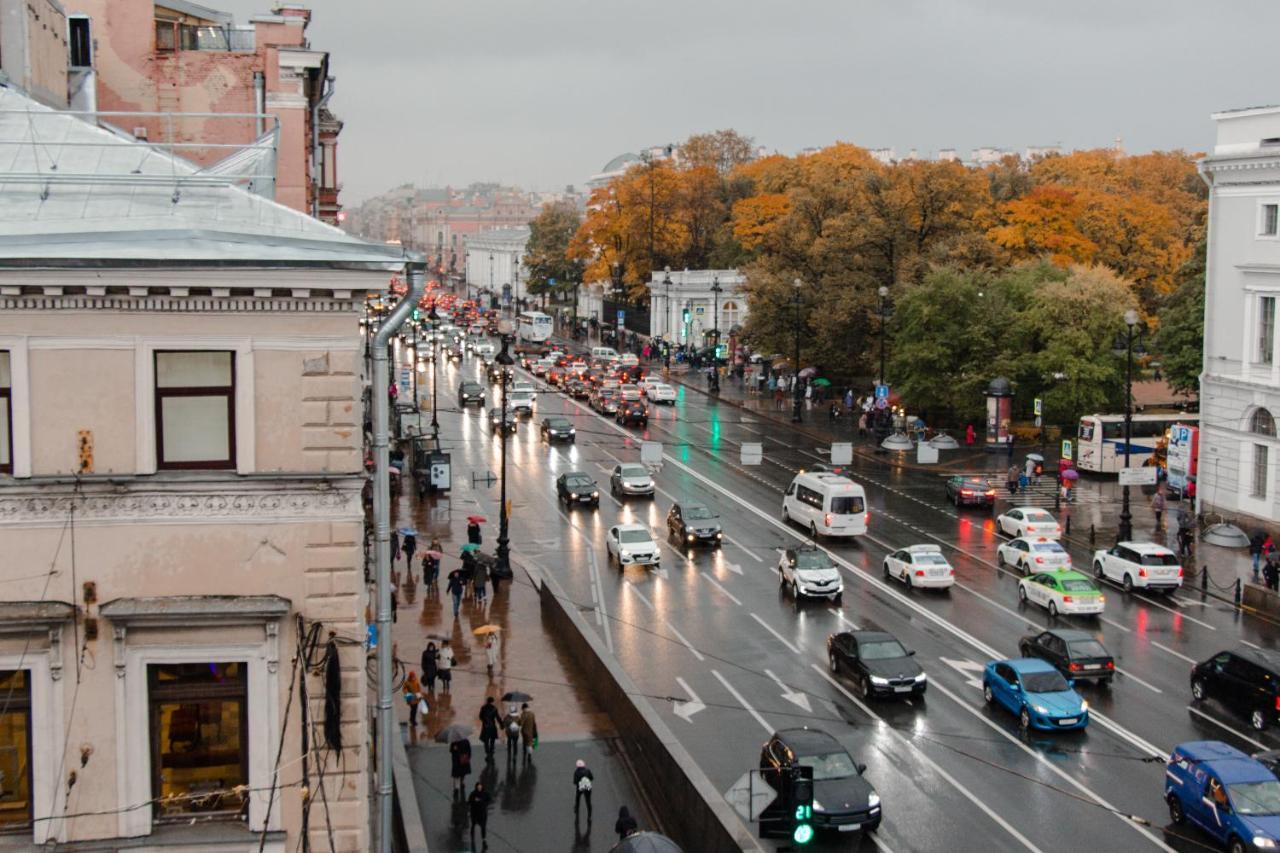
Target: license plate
906,689
1068,721
1093,666
849,827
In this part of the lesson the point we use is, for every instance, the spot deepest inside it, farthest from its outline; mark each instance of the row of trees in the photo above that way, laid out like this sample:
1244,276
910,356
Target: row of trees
1017,268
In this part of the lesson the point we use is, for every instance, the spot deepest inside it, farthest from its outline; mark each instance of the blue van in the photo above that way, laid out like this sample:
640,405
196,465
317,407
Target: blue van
1229,795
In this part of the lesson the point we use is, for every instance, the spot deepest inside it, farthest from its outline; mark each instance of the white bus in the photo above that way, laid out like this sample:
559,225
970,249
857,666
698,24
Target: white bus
535,327
1100,439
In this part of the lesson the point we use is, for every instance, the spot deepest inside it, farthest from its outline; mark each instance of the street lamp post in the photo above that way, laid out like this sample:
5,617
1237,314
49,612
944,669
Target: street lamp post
491,276
666,331
883,292
797,393
435,375
617,297
1131,332
504,361
716,290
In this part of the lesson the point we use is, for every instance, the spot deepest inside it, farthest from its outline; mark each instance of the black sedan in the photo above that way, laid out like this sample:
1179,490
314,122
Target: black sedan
842,798
576,487
577,389
1075,654
470,392
877,662
558,429
694,524
497,423
970,491
632,413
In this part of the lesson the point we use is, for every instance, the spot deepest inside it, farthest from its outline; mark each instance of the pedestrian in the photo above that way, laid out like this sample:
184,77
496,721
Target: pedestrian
1184,547
410,545
430,569
583,778
481,579
1268,546
1030,468
455,589
1012,479
1157,506
394,601
1255,551
412,694
430,666
395,546
460,764
968,435
625,825
473,532
489,719
445,665
491,652
511,726
808,397
1270,574
862,425
848,400
528,731
833,412
777,397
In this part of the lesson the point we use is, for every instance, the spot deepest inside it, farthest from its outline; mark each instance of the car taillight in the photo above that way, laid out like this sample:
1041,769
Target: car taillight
1066,598
1278,703
991,493
1111,664
866,518
1075,667
826,519
1040,560
919,573
1142,573
1030,527
951,572
966,493
1179,571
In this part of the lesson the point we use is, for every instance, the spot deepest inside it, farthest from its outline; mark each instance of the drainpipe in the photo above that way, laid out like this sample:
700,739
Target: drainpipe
316,168
382,537
260,103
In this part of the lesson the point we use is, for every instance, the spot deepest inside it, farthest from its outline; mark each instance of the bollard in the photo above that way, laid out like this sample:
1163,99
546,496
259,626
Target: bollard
1092,536
1068,525
1204,578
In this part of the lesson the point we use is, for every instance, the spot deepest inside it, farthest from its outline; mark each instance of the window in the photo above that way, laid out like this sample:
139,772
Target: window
15,749
6,415
1261,423
166,36
199,738
79,42
1260,470
1266,328
1270,220
195,409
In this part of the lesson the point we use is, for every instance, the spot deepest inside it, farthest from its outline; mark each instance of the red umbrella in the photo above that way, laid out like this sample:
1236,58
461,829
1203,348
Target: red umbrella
477,519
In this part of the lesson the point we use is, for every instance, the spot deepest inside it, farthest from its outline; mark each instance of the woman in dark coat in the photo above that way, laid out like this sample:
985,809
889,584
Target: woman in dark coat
473,532
430,662
626,824
489,725
460,763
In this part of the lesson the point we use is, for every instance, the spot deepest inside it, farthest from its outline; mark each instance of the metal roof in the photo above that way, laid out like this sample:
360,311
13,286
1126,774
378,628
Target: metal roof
71,190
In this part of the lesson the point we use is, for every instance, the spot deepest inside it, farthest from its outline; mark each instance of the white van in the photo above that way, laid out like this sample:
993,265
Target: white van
826,504
604,353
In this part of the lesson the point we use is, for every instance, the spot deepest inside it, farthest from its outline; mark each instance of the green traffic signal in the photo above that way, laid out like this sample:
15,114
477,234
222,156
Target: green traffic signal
803,833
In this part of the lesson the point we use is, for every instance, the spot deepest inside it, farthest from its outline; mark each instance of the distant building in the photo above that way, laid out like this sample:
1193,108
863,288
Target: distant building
1039,152
690,291
1240,387
494,263
987,156
33,48
884,155
618,165
948,155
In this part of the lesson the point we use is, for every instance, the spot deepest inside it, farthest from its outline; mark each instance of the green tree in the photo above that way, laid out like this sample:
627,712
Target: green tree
547,253
1179,342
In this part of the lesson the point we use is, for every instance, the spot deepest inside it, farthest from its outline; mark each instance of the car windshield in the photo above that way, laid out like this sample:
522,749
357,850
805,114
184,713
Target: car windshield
697,512
1039,517
846,505
629,389
471,387
1078,586
930,560
558,423
812,560
881,650
579,482
1252,798
832,765
1048,548
632,537
1044,682
634,471
1159,559
1087,649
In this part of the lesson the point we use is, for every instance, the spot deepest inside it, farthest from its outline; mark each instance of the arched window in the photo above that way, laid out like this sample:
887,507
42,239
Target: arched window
1262,423
729,311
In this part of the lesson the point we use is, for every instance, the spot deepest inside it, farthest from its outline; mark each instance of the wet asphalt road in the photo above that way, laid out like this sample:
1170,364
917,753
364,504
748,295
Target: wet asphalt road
728,659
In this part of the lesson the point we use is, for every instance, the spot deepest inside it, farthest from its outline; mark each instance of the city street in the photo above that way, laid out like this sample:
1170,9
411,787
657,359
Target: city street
728,658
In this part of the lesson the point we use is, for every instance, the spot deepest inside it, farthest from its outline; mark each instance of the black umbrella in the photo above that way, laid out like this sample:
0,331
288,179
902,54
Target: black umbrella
455,732
516,696
646,842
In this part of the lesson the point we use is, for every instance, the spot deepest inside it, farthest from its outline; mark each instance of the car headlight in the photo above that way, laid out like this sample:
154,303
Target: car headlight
572,431
879,682
1084,704
921,678
1041,709
873,800
1259,841
595,494
689,537
817,806
626,555
573,495
719,535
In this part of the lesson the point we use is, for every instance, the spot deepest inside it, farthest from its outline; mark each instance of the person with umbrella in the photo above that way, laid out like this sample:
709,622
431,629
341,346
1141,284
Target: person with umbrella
1255,551
480,577
460,763
489,719
491,651
431,566
625,825
478,804
454,588
430,665
410,545
528,731
473,529
445,666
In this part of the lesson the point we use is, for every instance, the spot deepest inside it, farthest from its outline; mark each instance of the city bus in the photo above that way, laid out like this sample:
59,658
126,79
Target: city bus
534,328
1100,440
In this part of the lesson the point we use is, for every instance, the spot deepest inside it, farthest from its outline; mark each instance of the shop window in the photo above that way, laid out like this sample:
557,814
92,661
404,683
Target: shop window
15,749
6,415
199,739
195,409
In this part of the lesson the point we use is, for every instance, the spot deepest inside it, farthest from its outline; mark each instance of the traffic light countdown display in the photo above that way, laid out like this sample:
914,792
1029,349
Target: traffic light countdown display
799,798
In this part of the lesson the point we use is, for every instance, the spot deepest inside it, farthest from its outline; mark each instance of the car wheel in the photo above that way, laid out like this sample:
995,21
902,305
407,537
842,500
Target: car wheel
1258,719
795,592
1022,594
786,516
1024,718
1097,570
1236,845
887,574
1053,609
838,600
835,664
1175,810
1128,582
1024,650
906,579
864,687
1199,690
1000,558
782,579
987,695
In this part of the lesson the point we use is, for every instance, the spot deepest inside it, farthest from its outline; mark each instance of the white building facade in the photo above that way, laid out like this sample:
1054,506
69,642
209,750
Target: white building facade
494,261
1240,387
692,291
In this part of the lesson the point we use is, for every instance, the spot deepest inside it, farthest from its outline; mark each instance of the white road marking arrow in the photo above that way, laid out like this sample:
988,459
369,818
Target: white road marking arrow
659,571
789,694
686,710
972,671
734,567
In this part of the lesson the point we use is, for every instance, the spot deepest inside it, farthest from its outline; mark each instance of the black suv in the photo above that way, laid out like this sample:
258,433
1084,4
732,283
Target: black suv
577,487
632,413
970,491
555,428
692,524
1246,681
470,392
842,798
1075,654
877,662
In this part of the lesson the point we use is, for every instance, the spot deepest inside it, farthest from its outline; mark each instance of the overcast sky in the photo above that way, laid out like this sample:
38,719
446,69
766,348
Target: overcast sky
542,93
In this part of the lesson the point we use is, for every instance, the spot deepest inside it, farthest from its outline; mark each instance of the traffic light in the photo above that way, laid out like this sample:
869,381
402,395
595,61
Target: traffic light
799,781
416,314
722,350
686,316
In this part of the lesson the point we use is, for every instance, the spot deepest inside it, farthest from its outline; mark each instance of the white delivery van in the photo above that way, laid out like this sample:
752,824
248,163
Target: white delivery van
604,353
826,504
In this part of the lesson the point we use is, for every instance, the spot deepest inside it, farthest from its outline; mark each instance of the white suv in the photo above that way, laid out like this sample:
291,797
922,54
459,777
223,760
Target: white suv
1144,565
809,572
632,545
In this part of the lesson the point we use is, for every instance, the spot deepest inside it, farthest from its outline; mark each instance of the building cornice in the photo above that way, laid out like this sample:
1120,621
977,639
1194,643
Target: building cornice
175,303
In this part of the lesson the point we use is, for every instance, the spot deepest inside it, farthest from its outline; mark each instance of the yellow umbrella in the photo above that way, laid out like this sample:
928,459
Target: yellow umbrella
486,629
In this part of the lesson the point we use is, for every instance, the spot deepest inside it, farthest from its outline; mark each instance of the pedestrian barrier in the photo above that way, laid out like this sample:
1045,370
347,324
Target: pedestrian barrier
693,812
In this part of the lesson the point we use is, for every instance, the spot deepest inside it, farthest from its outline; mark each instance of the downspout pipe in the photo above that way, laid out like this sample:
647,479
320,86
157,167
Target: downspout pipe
260,103
416,268
316,167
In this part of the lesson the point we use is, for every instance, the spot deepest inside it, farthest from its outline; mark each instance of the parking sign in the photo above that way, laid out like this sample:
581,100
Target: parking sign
1066,448
1039,407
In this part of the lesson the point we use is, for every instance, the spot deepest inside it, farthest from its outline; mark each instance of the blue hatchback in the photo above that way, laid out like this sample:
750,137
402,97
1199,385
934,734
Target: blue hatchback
1229,795
1036,692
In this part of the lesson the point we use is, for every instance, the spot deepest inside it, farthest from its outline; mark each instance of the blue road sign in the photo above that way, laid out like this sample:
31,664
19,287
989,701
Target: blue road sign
882,392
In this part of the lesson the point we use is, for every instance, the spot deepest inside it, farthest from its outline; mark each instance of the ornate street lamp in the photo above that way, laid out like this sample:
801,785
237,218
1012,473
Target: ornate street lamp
797,393
1131,335
716,290
666,331
505,361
